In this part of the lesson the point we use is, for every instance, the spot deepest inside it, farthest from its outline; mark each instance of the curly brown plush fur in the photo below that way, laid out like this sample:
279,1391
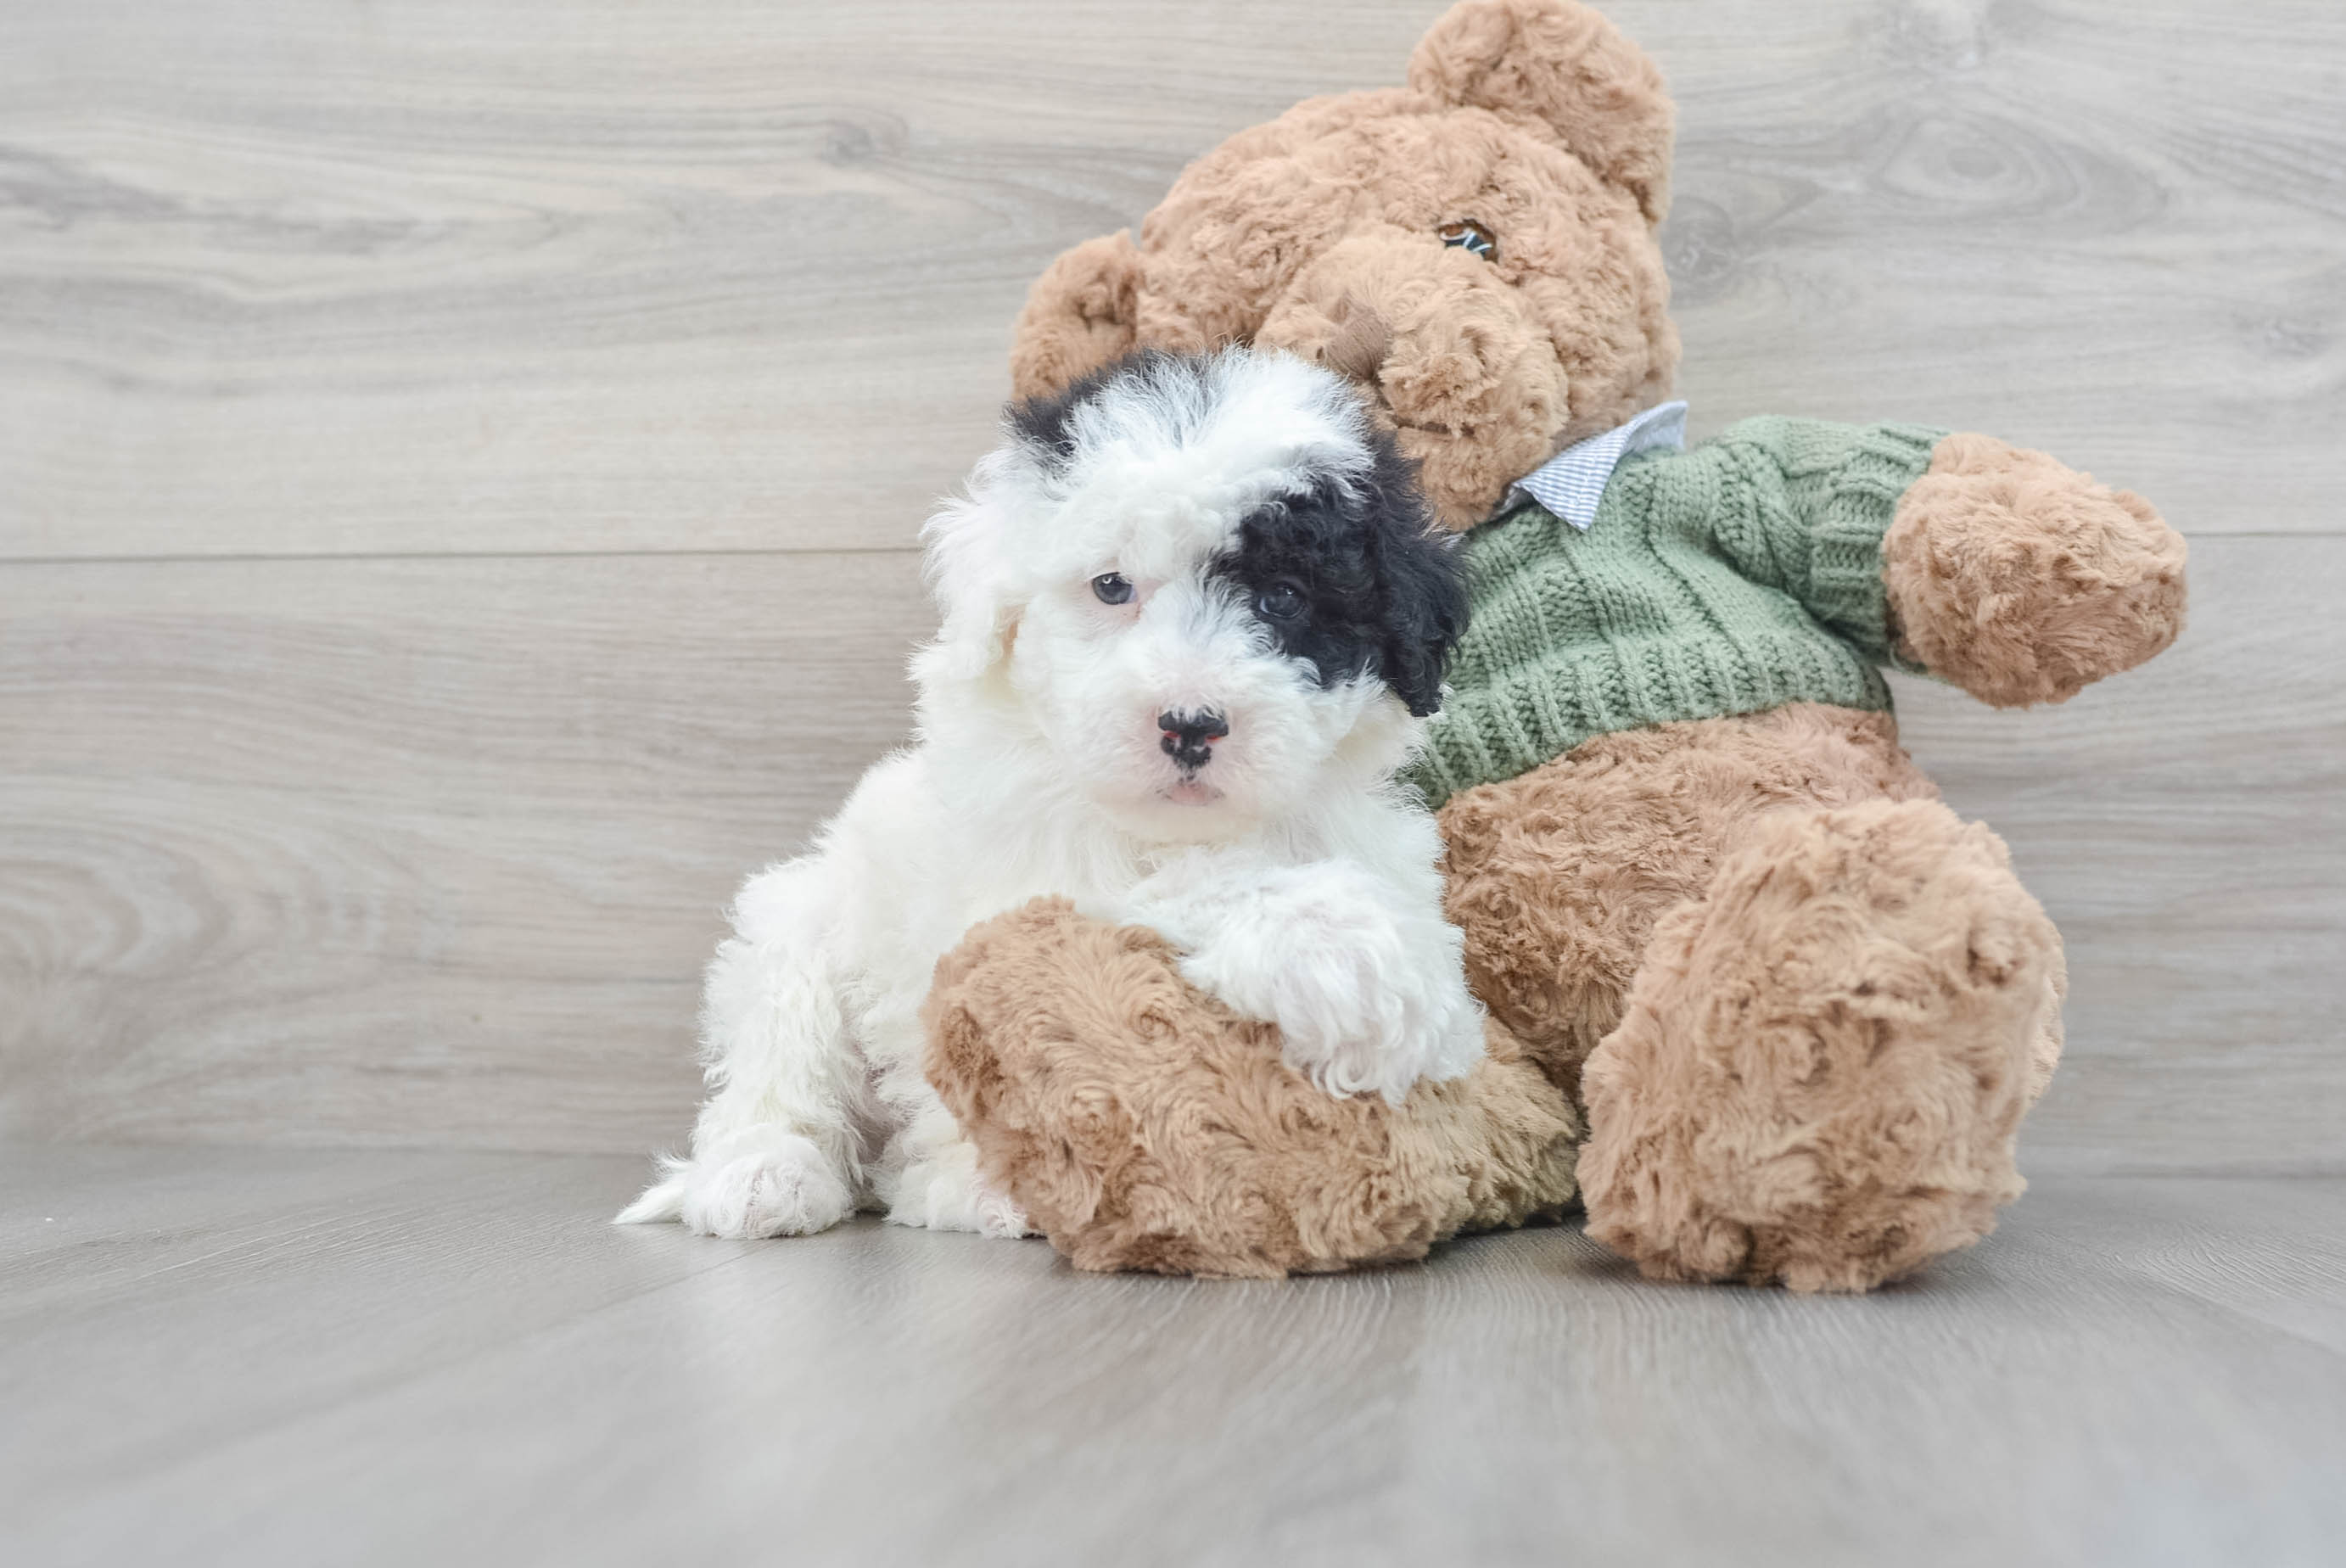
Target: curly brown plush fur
1287,233
1807,1007
1826,1057
1559,877
2022,580
1143,1126
1567,69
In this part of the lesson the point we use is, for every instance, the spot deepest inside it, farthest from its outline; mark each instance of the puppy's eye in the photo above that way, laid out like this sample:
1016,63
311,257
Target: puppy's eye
1469,235
1279,602
1110,589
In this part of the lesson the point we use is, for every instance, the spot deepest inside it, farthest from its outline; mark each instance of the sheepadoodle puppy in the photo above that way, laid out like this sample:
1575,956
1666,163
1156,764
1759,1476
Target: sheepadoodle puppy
1193,620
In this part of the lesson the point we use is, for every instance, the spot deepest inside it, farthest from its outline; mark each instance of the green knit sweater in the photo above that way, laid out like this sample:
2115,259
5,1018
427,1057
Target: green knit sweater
1733,579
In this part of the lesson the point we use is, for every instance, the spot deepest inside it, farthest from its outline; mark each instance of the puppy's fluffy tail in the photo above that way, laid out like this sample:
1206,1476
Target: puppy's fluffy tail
663,1200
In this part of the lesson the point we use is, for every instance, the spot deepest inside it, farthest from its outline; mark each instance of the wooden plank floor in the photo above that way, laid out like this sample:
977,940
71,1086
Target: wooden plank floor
278,1357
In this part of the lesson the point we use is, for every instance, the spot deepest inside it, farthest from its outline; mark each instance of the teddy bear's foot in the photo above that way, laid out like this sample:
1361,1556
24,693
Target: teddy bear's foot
1825,1059
1141,1124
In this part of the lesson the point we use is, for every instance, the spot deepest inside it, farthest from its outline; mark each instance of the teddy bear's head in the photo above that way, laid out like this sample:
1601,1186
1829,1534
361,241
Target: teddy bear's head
1476,248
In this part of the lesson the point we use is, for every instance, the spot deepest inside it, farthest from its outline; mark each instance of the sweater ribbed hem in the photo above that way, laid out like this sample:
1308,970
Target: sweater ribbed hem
1511,726
1845,561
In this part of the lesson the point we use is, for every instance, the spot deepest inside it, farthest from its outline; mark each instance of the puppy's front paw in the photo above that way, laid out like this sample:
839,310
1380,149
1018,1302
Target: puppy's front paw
946,1193
785,1188
1366,1002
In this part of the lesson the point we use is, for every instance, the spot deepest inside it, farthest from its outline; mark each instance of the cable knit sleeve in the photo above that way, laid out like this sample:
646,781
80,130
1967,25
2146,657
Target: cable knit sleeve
1733,579
1802,506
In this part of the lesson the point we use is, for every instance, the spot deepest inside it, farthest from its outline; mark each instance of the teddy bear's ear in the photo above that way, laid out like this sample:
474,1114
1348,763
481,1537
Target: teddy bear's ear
1568,66
1078,317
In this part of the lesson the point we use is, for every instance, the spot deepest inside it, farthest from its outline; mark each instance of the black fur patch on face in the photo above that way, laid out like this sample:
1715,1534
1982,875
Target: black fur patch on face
1380,593
1374,590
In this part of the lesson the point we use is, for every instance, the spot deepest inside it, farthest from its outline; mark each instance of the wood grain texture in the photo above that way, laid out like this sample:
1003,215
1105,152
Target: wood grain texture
229,1356
430,852
290,278
416,851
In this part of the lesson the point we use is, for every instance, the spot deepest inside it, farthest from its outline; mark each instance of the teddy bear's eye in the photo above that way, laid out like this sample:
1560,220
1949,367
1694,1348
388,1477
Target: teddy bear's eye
1472,236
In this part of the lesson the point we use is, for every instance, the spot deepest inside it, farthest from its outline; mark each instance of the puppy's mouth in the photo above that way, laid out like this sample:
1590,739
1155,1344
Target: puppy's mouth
1190,792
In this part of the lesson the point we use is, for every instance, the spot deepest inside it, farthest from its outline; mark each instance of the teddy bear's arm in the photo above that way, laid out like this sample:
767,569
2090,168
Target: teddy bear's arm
2022,580
1992,567
1078,316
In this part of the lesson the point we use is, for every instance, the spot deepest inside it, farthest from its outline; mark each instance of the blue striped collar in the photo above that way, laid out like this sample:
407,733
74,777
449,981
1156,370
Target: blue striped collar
1573,482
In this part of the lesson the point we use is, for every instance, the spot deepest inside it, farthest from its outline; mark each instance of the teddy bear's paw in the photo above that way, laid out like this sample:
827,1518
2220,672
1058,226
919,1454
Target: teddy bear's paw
945,1192
783,1186
2022,580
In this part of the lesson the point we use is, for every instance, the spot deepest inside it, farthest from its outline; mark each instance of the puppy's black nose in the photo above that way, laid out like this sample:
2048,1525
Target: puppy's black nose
1189,737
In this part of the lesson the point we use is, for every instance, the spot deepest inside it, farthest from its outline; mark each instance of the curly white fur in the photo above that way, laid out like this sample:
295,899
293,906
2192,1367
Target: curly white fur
1302,884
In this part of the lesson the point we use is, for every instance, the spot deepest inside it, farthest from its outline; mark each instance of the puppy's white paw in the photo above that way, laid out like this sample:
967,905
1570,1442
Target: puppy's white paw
1368,998
785,1188
1319,1000
946,1193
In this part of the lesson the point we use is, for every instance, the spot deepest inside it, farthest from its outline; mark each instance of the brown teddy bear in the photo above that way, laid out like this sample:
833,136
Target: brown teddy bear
1797,1006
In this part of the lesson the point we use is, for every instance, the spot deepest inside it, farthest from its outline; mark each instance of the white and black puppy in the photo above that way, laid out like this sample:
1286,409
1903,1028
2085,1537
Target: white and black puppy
1192,621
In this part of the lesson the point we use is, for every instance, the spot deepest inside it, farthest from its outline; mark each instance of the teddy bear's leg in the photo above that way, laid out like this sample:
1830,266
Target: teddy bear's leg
1558,878
1825,1058
1142,1126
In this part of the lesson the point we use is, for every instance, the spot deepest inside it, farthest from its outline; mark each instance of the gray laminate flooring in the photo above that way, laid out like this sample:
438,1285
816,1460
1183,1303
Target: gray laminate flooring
301,1357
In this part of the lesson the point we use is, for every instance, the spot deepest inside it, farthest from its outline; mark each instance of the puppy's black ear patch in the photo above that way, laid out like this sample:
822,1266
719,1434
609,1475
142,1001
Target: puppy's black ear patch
1358,580
1357,576
1421,581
